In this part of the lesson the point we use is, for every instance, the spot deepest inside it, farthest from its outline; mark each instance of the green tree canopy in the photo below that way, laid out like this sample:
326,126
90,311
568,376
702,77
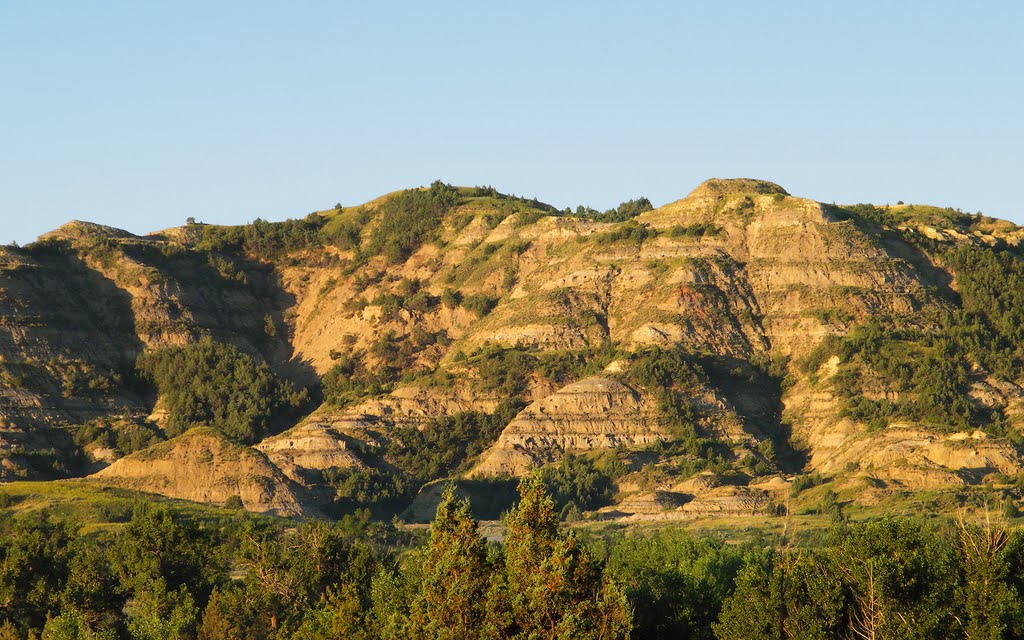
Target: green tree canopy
216,384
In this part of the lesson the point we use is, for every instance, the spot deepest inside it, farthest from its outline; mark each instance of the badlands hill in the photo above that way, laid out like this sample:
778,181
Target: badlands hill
702,357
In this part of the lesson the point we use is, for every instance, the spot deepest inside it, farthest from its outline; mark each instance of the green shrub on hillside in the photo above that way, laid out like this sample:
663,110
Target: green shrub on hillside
451,298
669,374
262,239
625,211
123,436
672,376
480,303
577,484
630,231
991,285
414,457
215,384
491,192
410,218
926,374
443,446
350,380
507,371
698,230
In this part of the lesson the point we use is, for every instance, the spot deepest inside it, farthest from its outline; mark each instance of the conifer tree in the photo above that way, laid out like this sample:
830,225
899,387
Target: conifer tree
554,584
450,603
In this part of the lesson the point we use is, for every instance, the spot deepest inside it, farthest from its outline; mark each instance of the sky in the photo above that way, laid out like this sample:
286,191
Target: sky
141,114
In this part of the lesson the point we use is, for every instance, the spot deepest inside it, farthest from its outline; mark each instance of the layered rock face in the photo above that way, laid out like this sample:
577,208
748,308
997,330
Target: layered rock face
310,447
594,413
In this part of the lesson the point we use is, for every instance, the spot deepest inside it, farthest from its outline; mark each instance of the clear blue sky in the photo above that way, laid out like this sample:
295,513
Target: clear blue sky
140,114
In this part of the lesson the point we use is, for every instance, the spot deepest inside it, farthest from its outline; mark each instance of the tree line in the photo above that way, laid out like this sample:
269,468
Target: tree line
165,574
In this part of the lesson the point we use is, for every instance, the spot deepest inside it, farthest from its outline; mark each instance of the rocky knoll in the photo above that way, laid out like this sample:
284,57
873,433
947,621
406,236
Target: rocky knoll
203,466
310,447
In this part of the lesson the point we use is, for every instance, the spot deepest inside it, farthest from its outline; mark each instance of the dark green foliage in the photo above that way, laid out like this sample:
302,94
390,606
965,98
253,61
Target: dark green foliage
698,230
262,239
480,303
633,208
215,384
491,497
504,371
407,296
269,326
157,546
372,489
780,596
406,220
414,457
831,506
123,436
897,565
451,600
350,380
34,557
491,192
804,482
451,298
300,578
675,582
345,234
670,375
888,579
507,372
631,231
396,356
390,304
625,211
991,285
576,484
992,566
542,583
881,216
166,575
928,370
438,450
80,379
552,584
410,218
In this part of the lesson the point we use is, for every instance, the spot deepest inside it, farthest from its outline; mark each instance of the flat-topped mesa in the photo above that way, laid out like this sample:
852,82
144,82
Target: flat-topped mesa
733,204
718,187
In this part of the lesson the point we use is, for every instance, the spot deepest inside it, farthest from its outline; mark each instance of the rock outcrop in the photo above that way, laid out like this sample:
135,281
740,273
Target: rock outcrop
594,413
310,447
203,466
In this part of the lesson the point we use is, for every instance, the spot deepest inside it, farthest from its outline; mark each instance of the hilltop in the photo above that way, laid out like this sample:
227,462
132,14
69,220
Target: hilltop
722,354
